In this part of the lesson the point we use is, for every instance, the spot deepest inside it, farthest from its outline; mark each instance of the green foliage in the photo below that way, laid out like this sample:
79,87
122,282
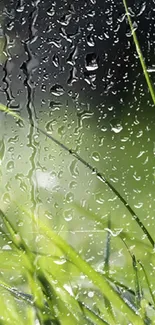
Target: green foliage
54,301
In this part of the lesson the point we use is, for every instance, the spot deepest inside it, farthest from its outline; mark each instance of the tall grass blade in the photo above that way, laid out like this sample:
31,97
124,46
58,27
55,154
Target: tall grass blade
139,52
138,293
107,248
148,282
95,319
106,269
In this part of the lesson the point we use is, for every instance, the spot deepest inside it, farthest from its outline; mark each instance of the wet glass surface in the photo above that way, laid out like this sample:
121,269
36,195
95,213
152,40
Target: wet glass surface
72,70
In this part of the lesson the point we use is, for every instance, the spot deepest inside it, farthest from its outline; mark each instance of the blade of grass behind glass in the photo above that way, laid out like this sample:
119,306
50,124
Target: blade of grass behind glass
95,319
86,269
138,294
53,296
148,282
139,52
107,247
106,269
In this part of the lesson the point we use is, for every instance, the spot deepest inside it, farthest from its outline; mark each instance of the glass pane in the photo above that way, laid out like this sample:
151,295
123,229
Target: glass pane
70,70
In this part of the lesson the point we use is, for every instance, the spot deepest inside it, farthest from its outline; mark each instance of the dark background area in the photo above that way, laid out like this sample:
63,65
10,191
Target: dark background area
66,38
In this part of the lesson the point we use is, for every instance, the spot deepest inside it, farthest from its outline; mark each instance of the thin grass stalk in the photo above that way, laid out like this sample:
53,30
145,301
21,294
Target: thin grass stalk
139,52
148,282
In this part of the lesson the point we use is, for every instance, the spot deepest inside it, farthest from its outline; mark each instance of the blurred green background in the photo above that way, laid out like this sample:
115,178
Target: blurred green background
104,113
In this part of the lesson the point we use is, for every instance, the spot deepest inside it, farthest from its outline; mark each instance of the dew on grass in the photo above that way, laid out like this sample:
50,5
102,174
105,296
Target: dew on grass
6,247
91,294
60,261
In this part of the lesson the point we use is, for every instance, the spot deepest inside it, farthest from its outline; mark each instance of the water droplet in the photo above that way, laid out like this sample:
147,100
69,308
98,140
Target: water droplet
91,62
49,127
151,69
138,205
90,27
91,294
10,166
99,198
65,19
96,156
90,40
72,185
130,33
20,223
10,25
114,232
116,126
6,247
72,76
69,197
55,60
57,90
68,215
48,215
20,6
73,168
142,9
22,184
6,198
73,55
61,130
136,177
60,261
51,11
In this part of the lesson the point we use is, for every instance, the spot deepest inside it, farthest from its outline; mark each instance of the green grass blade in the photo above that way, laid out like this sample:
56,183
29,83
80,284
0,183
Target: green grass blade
107,248
8,111
99,281
58,306
148,282
95,319
139,52
106,269
138,295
